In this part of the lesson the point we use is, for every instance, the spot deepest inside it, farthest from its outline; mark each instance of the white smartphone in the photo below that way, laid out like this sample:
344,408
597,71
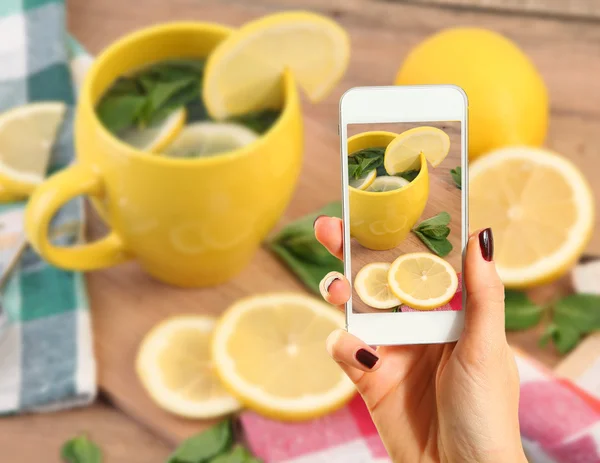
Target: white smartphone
404,175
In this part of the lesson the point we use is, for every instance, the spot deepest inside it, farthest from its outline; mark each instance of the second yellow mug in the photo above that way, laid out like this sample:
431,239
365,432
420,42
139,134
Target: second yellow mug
382,220
189,222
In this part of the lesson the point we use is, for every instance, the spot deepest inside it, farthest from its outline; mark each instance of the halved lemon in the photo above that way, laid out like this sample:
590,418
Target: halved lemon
540,208
175,367
244,72
403,152
387,183
269,351
371,285
423,281
209,138
156,138
363,182
27,134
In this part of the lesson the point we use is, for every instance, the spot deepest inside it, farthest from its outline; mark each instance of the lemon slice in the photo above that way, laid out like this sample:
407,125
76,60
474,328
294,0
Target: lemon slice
423,281
540,208
269,351
244,72
156,138
371,285
208,139
403,152
26,137
387,183
363,182
174,365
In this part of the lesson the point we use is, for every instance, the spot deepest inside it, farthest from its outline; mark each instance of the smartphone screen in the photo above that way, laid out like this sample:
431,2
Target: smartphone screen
405,216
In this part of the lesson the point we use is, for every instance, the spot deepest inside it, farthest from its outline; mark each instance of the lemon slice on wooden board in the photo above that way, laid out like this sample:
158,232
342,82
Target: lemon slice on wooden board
362,183
371,285
175,367
269,351
403,152
27,134
387,183
423,281
540,208
209,138
244,72
156,138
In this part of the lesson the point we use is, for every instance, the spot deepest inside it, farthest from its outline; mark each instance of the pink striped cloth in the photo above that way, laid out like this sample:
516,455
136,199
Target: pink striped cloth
560,423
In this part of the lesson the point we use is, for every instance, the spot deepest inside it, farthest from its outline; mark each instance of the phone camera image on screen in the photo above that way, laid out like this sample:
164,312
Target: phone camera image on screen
405,216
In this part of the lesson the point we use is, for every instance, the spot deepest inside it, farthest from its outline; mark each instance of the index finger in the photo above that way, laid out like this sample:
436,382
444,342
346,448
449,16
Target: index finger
329,232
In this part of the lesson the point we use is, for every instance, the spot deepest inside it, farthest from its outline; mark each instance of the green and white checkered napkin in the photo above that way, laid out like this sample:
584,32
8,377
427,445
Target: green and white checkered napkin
46,354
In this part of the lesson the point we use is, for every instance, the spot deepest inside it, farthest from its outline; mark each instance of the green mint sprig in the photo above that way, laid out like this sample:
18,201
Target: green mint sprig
571,317
80,449
150,95
434,232
457,176
360,163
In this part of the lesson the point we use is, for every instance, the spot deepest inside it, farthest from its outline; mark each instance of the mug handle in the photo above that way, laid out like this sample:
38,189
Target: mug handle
47,199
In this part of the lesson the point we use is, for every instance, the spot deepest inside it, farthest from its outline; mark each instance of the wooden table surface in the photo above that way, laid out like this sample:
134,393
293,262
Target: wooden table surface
126,303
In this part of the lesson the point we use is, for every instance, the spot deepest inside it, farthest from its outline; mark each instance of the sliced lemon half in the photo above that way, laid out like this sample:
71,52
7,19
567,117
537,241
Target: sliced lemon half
387,183
27,134
156,138
540,208
371,285
423,281
244,72
202,139
269,351
363,182
174,365
403,152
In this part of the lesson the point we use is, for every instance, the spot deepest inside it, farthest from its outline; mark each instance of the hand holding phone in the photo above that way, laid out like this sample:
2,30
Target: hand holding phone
404,164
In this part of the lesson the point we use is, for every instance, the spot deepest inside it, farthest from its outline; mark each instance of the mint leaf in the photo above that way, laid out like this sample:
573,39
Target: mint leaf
80,449
205,446
520,313
367,160
409,175
441,247
441,219
579,311
120,112
237,454
457,177
564,337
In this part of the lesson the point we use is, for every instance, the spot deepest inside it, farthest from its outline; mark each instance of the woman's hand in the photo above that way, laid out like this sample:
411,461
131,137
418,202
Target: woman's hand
454,402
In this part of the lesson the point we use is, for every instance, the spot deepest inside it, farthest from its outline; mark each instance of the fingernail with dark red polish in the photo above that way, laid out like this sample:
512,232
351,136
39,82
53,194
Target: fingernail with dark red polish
486,243
366,358
318,217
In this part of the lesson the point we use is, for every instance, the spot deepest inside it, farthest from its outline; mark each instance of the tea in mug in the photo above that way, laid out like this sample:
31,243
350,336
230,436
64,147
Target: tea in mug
146,106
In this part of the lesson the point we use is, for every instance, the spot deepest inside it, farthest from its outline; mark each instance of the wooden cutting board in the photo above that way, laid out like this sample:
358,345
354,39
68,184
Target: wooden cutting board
126,303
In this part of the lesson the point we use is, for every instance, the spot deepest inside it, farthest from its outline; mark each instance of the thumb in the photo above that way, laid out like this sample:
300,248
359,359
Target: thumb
484,317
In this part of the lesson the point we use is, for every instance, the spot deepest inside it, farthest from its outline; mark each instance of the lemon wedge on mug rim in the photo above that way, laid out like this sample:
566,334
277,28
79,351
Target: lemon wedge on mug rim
403,152
27,134
175,367
422,280
244,72
269,351
540,208
371,285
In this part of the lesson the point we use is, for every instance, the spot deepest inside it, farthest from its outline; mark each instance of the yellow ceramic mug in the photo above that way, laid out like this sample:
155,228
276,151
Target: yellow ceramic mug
381,220
189,222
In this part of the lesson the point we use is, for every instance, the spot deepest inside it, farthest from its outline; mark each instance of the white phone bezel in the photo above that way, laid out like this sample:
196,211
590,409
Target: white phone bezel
423,103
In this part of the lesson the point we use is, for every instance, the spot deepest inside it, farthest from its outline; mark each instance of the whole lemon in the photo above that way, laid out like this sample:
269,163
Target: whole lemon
508,101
